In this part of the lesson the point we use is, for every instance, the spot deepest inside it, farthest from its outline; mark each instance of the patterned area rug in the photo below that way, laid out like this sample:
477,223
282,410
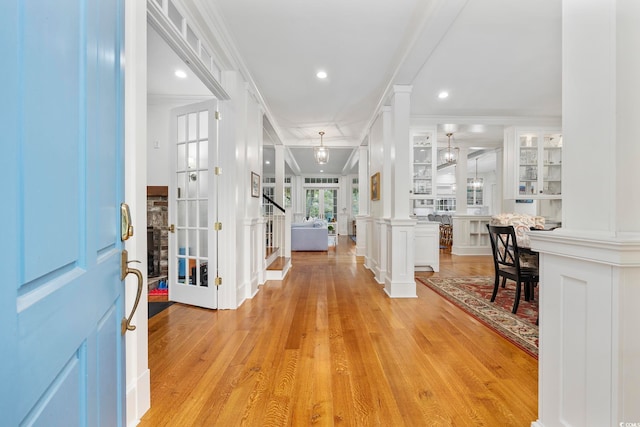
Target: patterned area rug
473,295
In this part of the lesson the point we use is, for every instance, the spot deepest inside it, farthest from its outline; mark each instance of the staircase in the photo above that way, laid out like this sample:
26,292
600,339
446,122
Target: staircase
277,222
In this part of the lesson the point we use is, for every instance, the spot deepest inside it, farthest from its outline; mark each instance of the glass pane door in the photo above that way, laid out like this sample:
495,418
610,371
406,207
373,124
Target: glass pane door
321,203
552,166
191,172
422,164
528,170
192,203
330,204
312,203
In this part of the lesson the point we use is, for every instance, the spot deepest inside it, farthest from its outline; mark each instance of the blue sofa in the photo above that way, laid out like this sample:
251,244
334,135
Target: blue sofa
309,236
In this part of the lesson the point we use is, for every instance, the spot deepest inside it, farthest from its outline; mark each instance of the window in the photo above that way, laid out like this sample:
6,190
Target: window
355,197
474,194
322,180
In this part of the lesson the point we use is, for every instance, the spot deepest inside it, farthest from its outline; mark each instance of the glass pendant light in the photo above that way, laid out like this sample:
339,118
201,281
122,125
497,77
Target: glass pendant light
321,153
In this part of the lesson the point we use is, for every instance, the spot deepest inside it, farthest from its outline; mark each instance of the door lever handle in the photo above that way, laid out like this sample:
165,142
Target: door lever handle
125,270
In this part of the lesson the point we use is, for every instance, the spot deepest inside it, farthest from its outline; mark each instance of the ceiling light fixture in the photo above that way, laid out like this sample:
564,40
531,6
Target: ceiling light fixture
444,94
180,74
449,155
476,182
321,153
321,74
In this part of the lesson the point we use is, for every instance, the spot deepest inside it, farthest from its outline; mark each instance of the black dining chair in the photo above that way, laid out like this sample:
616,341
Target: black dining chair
506,260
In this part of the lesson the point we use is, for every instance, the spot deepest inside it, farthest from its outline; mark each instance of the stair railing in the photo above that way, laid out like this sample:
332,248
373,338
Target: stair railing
274,215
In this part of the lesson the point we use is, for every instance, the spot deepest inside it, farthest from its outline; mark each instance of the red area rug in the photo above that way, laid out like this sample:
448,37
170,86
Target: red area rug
473,295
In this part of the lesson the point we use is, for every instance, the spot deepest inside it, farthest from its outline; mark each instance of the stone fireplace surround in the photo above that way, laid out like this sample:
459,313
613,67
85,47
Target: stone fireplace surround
157,234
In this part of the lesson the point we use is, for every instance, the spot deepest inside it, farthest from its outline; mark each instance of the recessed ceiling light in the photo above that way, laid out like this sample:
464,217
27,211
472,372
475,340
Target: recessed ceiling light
443,94
181,74
321,170
321,74
267,162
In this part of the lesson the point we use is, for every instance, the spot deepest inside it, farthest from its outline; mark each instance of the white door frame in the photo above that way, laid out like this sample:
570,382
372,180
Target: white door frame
138,383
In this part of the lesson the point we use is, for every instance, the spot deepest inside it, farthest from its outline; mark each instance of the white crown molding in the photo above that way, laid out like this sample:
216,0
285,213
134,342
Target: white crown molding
165,28
217,35
160,99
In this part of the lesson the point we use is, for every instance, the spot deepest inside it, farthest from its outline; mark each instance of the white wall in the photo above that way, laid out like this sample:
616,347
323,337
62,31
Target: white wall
158,144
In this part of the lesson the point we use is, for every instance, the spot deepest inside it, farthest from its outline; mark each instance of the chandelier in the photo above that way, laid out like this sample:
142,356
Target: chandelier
476,182
449,155
321,153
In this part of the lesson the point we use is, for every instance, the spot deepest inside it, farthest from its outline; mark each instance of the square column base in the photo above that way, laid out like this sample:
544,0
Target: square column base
589,361
400,280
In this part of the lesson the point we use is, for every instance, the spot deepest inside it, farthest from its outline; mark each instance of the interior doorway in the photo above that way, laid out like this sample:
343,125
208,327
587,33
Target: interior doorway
170,84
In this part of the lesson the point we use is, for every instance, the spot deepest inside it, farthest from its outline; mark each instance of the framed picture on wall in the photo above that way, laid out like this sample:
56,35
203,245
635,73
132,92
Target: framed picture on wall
255,185
375,186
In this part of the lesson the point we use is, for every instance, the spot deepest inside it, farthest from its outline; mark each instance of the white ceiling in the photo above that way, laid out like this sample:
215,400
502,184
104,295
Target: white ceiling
498,59
162,63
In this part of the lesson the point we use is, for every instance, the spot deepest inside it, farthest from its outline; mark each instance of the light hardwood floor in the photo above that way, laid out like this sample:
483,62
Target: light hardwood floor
327,347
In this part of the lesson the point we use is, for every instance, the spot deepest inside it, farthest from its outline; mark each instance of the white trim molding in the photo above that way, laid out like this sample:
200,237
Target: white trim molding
589,360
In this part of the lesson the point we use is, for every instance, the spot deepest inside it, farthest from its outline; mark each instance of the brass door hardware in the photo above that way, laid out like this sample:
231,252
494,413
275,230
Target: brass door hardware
124,271
126,229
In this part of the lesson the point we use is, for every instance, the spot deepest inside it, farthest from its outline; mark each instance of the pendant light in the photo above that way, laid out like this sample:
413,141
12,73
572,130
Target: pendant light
321,153
449,155
476,183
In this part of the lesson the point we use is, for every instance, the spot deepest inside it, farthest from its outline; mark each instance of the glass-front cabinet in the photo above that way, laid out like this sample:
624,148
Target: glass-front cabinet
423,169
533,163
539,164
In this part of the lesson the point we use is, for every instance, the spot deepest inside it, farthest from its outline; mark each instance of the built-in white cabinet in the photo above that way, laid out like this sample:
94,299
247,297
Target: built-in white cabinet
423,170
427,246
470,235
533,163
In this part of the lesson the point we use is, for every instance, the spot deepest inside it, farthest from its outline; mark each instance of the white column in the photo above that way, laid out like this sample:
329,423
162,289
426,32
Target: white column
344,198
400,281
498,197
461,181
400,153
589,366
381,248
386,189
363,201
298,201
279,189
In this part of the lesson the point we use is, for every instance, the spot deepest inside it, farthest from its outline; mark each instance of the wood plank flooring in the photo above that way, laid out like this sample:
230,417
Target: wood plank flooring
327,347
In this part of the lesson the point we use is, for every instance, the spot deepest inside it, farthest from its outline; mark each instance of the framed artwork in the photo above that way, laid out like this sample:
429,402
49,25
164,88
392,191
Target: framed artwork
255,185
375,186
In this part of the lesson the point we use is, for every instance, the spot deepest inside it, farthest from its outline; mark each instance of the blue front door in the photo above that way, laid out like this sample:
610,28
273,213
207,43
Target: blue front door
61,297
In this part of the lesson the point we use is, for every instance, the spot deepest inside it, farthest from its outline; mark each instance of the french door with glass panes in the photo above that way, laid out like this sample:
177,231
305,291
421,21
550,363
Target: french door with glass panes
193,208
321,203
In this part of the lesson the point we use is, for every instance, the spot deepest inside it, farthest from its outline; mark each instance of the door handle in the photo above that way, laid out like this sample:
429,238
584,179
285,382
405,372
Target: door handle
125,270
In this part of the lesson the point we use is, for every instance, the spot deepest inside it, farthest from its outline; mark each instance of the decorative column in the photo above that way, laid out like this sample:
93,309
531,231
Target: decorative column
589,362
461,181
386,185
498,197
279,166
363,201
400,281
